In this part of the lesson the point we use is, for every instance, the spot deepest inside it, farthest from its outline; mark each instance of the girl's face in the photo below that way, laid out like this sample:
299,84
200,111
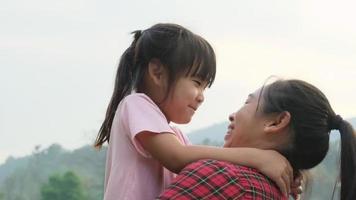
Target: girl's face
184,99
246,125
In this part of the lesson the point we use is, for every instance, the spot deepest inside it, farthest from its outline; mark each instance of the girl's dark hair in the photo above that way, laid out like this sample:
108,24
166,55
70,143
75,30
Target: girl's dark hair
312,119
180,51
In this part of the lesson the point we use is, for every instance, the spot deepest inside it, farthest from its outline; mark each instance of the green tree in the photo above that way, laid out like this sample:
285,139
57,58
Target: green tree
66,187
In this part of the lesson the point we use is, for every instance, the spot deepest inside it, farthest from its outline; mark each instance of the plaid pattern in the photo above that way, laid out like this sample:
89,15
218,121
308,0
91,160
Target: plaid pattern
213,180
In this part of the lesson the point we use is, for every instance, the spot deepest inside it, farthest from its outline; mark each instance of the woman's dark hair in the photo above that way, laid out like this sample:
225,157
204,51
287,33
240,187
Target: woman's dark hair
180,51
312,119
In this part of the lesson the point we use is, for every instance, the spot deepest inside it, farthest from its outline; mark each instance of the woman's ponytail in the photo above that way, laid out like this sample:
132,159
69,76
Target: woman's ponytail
348,159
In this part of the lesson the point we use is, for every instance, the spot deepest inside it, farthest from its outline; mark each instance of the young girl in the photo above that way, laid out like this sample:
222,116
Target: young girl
161,78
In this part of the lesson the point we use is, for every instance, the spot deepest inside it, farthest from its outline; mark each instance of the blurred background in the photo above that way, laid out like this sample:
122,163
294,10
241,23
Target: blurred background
58,61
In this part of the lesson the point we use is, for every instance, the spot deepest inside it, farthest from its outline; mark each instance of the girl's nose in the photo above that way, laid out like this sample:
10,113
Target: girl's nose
200,97
231,117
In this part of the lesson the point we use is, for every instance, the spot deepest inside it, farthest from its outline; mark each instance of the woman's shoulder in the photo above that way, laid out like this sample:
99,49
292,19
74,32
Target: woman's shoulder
210,165
237,171
248,179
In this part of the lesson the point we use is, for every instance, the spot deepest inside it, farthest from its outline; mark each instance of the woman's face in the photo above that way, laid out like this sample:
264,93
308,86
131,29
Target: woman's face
246,125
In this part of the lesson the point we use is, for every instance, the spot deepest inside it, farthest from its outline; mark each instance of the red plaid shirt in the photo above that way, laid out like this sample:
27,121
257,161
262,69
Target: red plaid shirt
213,180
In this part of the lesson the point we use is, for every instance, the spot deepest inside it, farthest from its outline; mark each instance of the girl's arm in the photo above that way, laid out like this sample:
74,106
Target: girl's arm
169,151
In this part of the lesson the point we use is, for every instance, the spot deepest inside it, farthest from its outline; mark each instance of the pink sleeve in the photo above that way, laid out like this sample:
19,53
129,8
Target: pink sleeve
141,114
183,138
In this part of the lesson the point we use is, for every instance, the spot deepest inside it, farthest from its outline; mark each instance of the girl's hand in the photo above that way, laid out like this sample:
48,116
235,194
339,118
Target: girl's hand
296,186
276,167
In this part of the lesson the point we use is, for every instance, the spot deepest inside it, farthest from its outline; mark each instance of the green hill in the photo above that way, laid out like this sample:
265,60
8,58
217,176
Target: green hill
22,178
211,134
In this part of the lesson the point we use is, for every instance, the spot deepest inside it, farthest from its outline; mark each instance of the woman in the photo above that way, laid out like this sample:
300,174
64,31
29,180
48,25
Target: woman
290,116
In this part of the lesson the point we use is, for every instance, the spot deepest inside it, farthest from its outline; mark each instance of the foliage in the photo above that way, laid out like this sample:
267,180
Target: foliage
24,183
66,187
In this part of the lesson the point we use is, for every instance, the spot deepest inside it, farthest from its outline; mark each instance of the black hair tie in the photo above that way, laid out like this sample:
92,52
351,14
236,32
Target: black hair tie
335,122
132,51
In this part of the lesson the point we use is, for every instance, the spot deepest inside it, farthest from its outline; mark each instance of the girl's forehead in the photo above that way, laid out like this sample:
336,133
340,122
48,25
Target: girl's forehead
202,69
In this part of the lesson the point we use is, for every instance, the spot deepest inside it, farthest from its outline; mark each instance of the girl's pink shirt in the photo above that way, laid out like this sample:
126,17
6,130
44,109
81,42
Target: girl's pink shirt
131,173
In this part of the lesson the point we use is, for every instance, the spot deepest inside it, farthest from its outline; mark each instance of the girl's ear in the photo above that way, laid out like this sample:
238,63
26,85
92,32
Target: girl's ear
156,71
278,122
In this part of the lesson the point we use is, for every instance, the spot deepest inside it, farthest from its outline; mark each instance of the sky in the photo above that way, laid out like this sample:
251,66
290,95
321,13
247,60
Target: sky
58,59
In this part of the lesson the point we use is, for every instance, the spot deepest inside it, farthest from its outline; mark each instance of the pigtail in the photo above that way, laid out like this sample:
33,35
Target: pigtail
124,84
348,161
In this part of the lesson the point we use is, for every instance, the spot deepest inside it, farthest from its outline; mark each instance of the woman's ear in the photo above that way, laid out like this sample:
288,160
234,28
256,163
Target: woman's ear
156,71
278,122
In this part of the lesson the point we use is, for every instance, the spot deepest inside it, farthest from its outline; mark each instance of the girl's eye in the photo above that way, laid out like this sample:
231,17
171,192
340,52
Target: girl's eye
197,82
